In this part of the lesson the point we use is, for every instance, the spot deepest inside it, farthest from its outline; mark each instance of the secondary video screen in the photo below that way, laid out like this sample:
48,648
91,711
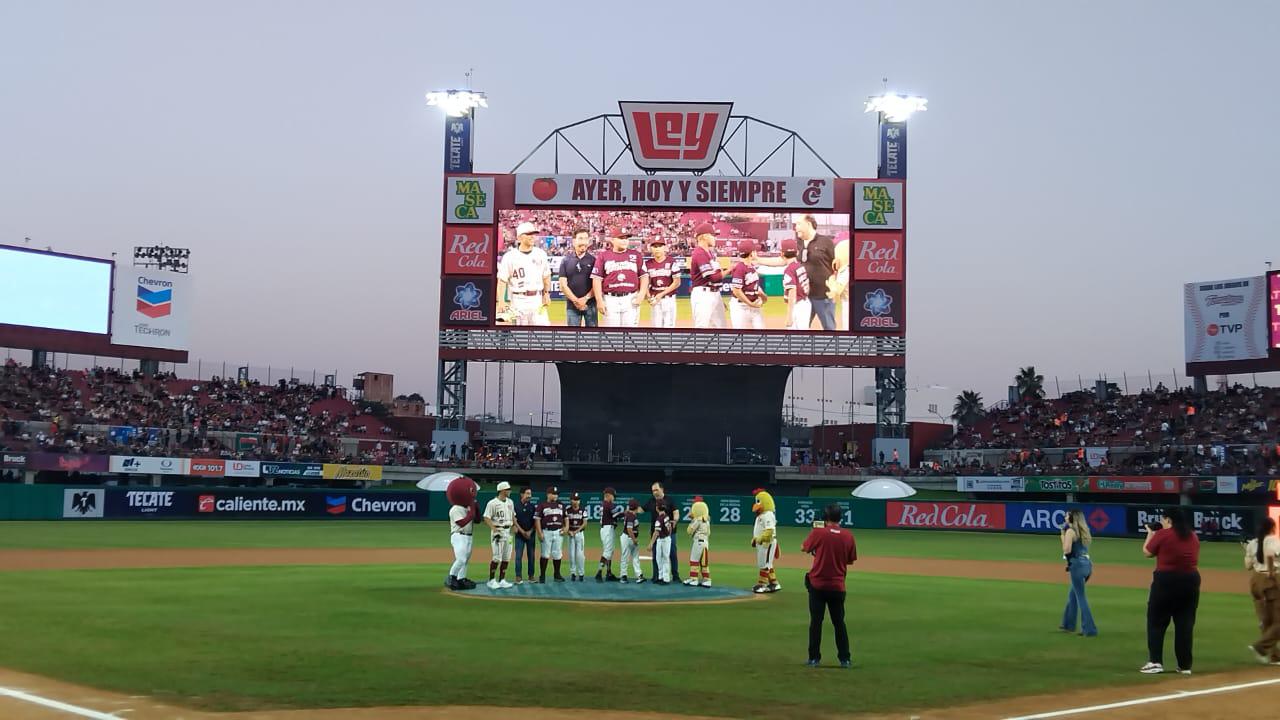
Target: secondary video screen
672,269
44,290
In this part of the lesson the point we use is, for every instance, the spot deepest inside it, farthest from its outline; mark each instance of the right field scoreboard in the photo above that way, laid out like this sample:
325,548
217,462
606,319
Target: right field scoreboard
1232,326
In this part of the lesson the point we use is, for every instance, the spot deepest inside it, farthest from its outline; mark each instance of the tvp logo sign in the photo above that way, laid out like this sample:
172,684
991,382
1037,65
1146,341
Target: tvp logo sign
466,302
675,135
468,250
469,199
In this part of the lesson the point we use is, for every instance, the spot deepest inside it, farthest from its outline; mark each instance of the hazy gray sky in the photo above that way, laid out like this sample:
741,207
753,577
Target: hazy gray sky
1078,163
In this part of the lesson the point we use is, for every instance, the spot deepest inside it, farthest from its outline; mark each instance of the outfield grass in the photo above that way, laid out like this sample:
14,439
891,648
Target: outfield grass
408,534
250,638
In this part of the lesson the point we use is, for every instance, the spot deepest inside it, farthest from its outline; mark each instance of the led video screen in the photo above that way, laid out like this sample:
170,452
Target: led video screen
57,292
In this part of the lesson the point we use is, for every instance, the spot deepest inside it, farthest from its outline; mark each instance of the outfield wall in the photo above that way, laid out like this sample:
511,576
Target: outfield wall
53,502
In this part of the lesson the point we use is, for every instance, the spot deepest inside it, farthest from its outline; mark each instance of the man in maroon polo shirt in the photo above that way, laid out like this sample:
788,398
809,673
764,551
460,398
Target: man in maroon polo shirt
833,550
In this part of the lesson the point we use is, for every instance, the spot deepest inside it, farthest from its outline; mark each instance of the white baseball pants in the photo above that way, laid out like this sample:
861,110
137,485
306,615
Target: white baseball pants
461,554
699,547
708,308
662,549
764,555
631,557
620,312
662,314
744,317
606,541
577,554
552,544
801,315
527,310
502,546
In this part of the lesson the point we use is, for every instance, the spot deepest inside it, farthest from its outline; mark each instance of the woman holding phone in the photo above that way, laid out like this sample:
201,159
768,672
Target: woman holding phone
1260,559
1076,539
1175,589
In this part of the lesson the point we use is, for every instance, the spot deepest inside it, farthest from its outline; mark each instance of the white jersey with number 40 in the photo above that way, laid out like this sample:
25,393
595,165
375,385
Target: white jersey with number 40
523,272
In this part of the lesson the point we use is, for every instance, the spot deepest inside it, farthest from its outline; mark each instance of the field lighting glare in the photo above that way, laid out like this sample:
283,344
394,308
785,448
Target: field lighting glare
456,103
896,108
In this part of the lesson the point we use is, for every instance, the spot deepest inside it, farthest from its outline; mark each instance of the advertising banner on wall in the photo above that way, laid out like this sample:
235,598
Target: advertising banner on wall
293,471
67,462
212,504
1104,520
336,471
1225,320
877,205
151,308
877,256
457,144
83,503
877,307
467,302
798,193
468,250
1210,521
967,483
208,467
11,460
945,516
469,199
141,465
243,468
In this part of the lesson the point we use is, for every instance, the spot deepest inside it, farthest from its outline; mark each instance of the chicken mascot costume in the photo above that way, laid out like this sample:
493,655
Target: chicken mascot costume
463,513
764,538
699,529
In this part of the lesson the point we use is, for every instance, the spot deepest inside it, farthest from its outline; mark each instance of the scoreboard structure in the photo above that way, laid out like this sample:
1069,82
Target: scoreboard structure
509,238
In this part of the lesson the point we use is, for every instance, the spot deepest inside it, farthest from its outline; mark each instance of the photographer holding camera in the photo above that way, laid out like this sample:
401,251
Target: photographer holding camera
1175,588
1076,539
1260,559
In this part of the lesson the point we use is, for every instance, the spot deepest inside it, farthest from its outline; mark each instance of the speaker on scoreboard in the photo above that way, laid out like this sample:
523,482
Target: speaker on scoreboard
671,413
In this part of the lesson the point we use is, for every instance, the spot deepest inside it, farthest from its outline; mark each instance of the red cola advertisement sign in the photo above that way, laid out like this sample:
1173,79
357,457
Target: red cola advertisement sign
877,256
468,250
945,516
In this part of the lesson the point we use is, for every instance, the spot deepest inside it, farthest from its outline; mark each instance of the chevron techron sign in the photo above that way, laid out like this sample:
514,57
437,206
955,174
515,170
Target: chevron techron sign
155,303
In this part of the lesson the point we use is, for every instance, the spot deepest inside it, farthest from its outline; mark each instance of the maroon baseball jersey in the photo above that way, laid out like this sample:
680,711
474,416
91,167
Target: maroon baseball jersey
575,517
551,514
746,278
631,523
608,513
619,272
662,275
795,276
663,526
704,269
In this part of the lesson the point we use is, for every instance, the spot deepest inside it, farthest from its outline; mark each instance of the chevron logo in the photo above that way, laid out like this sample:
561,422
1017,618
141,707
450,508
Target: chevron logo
155,303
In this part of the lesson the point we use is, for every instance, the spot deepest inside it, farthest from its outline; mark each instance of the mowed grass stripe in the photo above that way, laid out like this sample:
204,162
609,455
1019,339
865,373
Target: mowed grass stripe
253,638
408,534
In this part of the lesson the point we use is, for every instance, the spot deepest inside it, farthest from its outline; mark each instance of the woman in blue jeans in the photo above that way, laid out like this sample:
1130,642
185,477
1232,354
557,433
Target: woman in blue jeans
1076,539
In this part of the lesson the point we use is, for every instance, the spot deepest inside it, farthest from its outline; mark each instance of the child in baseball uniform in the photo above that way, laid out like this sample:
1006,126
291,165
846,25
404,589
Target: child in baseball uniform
748,294
795,284
498,515
631,541
764,538
664,280
608,522
660,544
575,520
700,530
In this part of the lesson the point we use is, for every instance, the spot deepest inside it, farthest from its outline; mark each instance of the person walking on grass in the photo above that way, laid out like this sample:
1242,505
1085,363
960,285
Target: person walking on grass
1076,540
1175,589
833,550
1260,560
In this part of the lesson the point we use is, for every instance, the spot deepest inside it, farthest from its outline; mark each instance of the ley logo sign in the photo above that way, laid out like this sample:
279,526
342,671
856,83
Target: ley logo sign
680,136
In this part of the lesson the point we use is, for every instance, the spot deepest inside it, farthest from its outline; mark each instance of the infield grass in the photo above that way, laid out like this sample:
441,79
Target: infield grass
302,637
409,534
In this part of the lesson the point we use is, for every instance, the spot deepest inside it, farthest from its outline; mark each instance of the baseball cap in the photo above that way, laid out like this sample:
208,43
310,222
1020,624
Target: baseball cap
618,232
610,491
633,504
504,485
526,228
746,246
790,245
705,228
657,241
553,490
574,497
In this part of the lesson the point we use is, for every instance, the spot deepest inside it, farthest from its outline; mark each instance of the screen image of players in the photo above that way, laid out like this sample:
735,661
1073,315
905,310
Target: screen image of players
818,253
706,276
524,279
664,281
576,266
619,281
744,282
795,287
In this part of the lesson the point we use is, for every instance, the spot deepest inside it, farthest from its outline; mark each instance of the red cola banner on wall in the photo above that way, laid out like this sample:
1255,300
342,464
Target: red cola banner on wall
877,256
944,516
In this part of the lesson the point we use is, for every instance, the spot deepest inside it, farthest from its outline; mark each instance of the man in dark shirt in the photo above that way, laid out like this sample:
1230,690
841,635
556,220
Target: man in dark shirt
833,550
660,500
575,282
819,256
525,543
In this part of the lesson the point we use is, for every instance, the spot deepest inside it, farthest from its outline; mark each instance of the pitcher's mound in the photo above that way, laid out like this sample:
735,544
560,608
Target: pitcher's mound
592,591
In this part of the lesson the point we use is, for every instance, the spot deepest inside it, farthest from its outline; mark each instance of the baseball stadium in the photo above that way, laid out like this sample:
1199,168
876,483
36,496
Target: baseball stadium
719,494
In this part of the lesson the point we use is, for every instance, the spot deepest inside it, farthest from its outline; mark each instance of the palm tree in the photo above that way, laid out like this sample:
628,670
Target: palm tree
1030,384
968,409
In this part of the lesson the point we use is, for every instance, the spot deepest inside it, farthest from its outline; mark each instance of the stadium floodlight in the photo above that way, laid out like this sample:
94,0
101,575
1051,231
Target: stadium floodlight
895,107
457,103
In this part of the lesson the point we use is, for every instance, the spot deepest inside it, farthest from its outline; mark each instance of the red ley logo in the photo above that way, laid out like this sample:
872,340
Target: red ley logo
675,135
877,256
206,504
468,250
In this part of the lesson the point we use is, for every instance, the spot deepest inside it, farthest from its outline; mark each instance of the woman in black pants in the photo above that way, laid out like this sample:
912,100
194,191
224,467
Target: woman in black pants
1175,589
